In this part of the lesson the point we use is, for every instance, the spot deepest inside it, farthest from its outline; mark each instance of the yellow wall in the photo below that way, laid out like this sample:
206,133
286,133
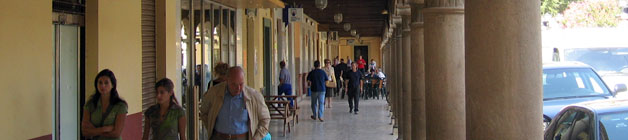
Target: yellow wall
297,46
248,49
374,52
256,49
113,35
26,56
345,50
167,41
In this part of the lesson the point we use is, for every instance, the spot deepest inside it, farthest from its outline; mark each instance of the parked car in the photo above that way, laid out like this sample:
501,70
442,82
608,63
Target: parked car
610,61
594,120
566,83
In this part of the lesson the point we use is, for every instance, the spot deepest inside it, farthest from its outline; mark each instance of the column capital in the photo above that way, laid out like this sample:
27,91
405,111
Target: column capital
396,19
416,1
406,24
417,12
444,3
444,10
416,25
403,9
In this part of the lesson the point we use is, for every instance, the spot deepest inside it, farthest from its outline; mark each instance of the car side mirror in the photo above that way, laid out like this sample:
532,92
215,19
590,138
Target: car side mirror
619,88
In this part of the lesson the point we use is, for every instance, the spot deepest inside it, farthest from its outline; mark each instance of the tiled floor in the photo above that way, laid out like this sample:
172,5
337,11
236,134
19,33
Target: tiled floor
372,123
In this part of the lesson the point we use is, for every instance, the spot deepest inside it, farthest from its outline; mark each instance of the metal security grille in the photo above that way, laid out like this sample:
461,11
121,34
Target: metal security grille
149,69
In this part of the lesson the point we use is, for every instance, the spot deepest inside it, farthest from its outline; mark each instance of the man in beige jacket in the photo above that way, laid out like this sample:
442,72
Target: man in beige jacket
231,110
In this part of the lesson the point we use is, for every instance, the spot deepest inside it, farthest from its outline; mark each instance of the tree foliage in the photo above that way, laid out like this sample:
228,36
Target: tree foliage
592,13
554,7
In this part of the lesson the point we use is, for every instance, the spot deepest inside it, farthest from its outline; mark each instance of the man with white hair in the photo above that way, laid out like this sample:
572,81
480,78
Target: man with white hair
231,110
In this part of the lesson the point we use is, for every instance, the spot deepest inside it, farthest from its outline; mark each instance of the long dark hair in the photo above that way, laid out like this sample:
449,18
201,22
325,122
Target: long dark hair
114,97
169,86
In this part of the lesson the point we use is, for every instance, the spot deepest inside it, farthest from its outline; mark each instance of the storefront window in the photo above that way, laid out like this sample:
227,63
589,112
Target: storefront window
216,34
206,39
232,43
224,44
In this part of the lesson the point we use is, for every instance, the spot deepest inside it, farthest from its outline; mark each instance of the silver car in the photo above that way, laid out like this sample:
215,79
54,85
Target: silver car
594,120
568,83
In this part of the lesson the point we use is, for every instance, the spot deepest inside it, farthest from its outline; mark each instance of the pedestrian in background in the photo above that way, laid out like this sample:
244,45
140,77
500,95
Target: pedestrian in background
331,84
361,64
105,112
340,69
285,88
353,82
220,71
166,119
317,78
372,65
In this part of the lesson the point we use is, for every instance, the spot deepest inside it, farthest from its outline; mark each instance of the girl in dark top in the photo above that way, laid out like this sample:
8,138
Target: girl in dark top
166,119
105,112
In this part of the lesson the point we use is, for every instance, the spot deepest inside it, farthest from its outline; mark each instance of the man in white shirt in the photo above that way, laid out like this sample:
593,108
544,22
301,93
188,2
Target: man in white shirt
380,74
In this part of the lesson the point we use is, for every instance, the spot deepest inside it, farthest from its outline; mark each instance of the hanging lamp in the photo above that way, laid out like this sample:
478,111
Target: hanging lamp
338,16
321,4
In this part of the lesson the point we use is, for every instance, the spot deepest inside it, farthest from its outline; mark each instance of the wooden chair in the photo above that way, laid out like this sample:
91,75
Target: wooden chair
277,110
294,109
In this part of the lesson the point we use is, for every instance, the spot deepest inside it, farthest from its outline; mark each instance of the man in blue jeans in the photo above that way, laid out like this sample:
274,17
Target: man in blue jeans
284,82
317,79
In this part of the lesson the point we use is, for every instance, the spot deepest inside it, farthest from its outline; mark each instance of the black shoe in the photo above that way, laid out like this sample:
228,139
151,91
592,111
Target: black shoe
350,110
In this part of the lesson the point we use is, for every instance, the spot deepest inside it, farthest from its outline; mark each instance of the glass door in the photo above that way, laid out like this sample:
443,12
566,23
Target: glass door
206,27
66,46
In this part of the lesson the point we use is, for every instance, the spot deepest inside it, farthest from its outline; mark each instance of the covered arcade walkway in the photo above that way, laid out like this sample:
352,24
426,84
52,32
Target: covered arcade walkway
372,123
455,69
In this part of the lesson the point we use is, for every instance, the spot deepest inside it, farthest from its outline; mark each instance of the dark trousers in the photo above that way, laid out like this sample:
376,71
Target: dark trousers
287,90
354,99
338,87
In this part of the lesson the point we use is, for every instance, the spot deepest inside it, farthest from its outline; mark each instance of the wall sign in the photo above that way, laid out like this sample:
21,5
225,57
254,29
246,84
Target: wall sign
295,14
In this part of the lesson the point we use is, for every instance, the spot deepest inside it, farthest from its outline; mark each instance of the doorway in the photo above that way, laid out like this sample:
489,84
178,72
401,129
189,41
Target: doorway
267,58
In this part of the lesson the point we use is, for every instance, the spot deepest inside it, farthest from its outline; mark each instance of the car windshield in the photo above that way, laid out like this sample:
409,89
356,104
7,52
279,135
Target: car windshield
602,59
613,126
572,83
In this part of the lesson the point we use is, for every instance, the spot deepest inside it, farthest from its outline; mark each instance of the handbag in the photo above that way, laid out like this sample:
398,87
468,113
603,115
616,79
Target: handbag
332,83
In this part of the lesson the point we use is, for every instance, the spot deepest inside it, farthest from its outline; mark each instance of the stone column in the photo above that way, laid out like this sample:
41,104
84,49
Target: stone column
399,82
444,68
418,74
503,70
406,72
393,76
